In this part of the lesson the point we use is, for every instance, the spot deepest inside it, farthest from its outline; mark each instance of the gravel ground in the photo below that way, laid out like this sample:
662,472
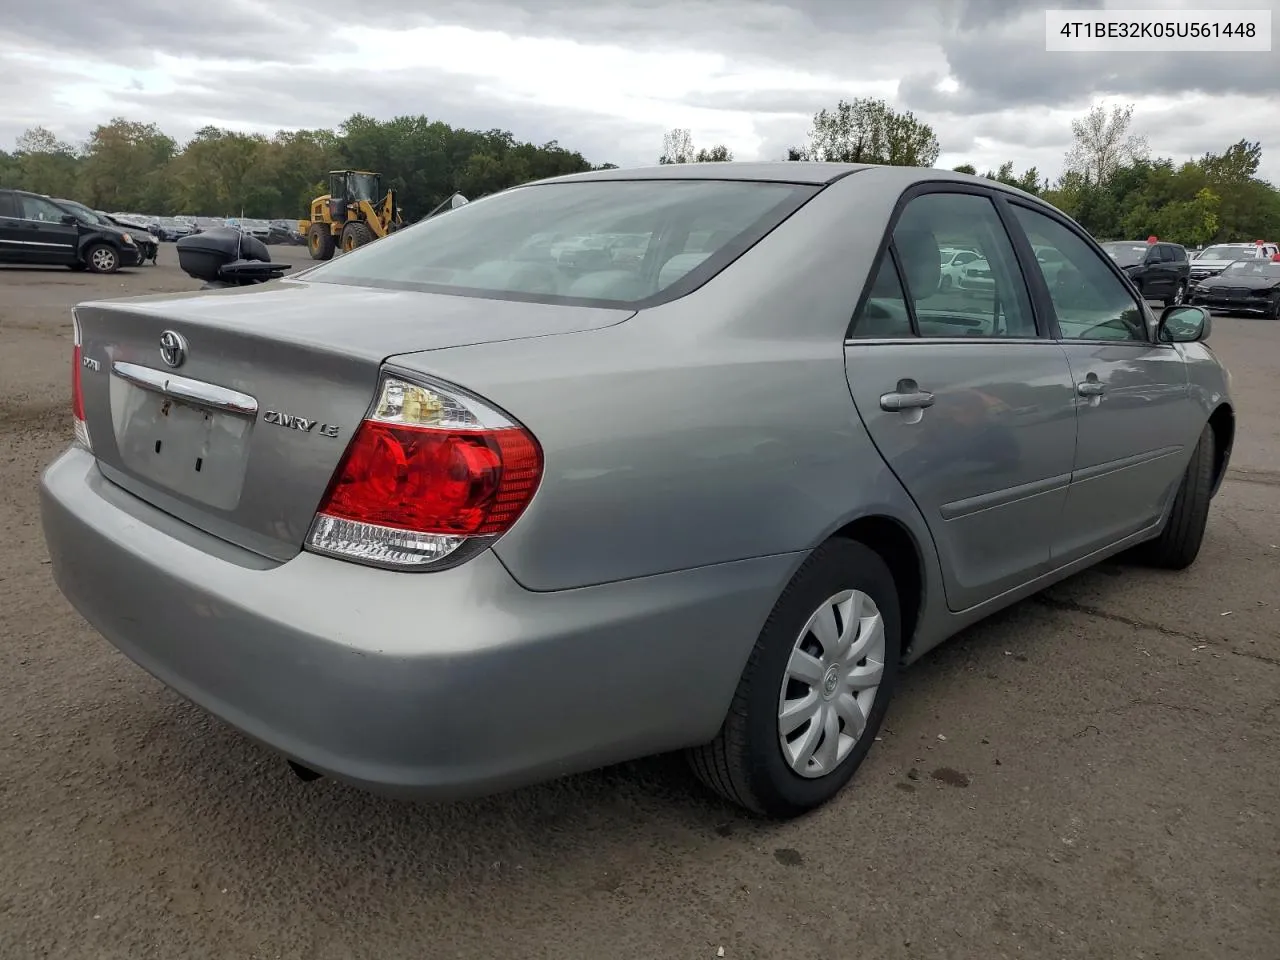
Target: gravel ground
1106,786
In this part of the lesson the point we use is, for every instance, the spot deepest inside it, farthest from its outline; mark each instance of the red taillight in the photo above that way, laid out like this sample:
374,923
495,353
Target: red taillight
428,471
77,392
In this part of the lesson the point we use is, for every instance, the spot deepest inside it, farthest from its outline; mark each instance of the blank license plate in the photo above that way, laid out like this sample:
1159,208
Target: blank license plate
197,453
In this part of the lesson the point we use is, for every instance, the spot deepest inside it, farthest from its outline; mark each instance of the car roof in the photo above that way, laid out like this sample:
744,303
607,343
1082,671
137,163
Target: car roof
815,173
778,171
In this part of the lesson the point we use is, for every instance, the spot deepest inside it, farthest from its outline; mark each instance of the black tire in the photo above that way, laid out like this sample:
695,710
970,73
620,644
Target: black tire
356,234
1179,543
1179,295
745,762
320,242
101,258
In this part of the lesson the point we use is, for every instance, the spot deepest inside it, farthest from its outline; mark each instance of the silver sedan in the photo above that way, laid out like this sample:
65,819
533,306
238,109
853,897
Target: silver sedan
453,514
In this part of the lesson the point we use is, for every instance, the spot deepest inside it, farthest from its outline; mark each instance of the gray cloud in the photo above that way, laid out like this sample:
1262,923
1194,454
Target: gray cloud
991,51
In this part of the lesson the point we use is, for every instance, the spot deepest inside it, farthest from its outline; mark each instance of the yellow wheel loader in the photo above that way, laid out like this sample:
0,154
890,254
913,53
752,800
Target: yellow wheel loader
346,217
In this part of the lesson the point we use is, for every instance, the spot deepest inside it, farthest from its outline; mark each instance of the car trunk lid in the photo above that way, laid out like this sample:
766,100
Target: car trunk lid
241,434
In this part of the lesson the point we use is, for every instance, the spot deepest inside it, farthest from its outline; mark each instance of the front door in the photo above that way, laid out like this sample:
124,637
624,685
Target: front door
44,236
971,408
1133,402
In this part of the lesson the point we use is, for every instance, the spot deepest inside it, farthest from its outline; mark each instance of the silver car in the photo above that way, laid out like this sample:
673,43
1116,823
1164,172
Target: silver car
449,514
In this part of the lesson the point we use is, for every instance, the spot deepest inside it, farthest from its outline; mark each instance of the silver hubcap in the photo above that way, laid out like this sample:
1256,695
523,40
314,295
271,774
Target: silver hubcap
830,684
103,259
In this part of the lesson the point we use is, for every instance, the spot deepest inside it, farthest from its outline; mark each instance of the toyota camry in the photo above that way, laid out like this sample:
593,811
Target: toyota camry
499,498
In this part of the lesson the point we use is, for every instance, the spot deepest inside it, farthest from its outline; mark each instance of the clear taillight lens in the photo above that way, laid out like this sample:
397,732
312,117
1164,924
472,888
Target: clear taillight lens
431,475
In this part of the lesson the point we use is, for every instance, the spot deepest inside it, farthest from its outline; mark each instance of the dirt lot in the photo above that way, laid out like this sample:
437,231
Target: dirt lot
1107,785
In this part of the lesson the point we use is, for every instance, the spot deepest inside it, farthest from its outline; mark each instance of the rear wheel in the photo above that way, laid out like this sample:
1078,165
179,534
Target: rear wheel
102,258
815,688
320,242
1179,295
356,234
1179,542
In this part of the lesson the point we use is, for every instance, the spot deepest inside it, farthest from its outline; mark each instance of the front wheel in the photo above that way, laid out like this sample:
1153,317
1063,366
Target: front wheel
320,242
815,689
1179,542
102,258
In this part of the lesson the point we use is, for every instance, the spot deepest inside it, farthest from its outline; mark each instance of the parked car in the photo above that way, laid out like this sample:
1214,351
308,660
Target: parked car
284,231
36,229
1246,286
148,246
976,276
1213,260
952,261
1160,271
170,229
258,229
1051,262
517,523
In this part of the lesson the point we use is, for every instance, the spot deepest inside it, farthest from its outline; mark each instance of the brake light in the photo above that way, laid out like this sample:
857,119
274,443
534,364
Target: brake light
430,474
77,394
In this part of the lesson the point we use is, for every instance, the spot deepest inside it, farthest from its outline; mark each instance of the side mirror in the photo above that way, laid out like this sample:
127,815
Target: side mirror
69,219
1184,324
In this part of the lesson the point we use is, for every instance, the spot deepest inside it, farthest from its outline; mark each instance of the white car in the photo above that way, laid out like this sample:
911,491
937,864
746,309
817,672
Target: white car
952,260
976,277
1213,260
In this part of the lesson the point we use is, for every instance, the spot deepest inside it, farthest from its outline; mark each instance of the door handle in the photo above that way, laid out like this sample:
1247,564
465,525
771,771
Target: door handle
907,397
1090,388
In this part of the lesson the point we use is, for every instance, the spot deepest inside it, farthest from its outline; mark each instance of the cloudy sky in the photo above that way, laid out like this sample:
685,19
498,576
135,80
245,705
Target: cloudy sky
607,77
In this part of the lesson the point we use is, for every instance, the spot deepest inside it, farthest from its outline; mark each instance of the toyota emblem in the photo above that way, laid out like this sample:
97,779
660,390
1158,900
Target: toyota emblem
173,348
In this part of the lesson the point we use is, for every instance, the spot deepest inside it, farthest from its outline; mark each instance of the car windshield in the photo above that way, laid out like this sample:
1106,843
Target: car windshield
1225,253
1127,254
1267,269
81,211
611,242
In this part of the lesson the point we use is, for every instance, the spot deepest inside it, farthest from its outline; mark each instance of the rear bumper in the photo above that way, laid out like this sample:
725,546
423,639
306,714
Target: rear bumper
442,684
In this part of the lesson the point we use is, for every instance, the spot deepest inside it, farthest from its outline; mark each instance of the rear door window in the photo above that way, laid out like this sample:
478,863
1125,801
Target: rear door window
626,243
7,207
988,297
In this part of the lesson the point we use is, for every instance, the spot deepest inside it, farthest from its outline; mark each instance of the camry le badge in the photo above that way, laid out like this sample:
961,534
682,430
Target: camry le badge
301,424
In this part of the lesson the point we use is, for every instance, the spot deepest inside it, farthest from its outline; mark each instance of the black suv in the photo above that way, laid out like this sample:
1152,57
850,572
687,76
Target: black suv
1160,271
37,230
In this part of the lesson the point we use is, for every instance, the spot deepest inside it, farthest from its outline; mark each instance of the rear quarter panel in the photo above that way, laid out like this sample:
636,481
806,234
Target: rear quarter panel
713,428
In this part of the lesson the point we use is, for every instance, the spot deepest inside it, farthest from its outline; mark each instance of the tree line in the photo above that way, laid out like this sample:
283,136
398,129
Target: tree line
129,166
1110,183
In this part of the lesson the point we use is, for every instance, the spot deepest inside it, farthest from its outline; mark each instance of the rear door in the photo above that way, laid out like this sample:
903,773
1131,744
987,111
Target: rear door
969,405
12,249
45,237
1135,415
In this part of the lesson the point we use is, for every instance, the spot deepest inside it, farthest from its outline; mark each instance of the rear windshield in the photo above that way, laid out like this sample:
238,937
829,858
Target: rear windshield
1226,253
621,243
1126,254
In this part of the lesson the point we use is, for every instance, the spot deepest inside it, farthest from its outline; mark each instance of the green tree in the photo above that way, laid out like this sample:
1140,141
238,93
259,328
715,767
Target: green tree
867,130
125,166
968,168
45,164
717,154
